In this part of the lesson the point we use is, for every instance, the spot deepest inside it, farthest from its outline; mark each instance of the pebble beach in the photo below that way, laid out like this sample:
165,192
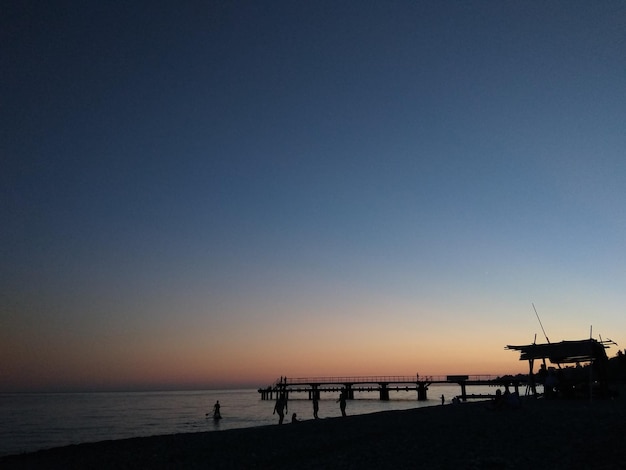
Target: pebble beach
540,434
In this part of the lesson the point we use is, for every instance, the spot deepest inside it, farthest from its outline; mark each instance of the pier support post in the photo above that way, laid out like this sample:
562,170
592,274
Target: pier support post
349,392
463,391
266,393
384,392
421,391
314,393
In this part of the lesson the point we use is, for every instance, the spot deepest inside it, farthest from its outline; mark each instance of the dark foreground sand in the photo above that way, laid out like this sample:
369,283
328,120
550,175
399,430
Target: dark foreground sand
543,434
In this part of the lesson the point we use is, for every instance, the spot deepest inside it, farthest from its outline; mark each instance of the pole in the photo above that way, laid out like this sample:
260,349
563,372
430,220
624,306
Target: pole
540,324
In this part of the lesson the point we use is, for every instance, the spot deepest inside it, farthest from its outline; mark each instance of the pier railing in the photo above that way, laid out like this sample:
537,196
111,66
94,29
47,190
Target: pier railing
376,379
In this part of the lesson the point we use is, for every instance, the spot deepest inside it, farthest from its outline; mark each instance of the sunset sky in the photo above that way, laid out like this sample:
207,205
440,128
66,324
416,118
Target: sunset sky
217,193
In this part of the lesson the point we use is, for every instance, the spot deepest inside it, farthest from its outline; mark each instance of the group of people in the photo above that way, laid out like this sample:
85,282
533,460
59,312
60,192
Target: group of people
506,400
281,407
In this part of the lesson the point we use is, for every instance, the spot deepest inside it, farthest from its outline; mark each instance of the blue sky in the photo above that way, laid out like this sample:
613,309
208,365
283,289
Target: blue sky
224,192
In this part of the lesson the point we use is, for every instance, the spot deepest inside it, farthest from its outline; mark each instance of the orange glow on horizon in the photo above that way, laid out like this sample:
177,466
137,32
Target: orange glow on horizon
172,368
173,356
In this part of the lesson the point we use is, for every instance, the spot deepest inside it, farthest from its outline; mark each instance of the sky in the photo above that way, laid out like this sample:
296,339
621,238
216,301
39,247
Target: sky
212,194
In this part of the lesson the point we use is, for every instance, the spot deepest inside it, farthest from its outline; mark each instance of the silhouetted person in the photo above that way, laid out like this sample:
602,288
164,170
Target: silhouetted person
342,403
513,400
443,399
280,407
498,400
541,375
551,384
294,418
216,410
316,408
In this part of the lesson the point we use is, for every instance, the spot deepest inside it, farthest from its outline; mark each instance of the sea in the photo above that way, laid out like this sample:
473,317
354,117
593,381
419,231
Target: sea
34,421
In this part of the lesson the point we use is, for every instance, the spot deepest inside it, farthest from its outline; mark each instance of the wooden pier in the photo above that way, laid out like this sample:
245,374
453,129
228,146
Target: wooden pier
315,386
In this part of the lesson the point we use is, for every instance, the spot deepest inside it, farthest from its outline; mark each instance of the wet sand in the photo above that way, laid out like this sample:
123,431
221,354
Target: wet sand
542,434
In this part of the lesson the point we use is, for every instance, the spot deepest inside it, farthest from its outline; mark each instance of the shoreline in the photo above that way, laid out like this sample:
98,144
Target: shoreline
544,433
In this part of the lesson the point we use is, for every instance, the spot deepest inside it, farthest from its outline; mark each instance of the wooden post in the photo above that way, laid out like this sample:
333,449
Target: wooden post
531,377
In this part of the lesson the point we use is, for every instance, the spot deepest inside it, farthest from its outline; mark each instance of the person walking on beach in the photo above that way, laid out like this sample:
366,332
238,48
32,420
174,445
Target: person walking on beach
342,403
316,407
280,407
443,399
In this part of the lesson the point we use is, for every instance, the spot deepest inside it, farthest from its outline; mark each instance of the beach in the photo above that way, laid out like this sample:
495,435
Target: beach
540,434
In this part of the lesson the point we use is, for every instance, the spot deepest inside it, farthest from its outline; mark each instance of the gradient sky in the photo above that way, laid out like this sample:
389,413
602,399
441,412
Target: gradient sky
222,192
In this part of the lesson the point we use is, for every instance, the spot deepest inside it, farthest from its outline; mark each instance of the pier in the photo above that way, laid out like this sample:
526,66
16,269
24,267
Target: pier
313,387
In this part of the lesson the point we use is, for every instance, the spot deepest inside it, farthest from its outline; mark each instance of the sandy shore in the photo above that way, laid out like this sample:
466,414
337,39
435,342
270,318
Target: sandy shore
542,434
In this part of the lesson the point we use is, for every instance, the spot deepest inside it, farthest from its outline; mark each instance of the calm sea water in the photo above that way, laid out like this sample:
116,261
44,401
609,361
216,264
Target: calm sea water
30,422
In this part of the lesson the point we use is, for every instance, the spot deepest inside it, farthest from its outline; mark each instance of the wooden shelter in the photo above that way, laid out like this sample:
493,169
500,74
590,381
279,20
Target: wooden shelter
587,351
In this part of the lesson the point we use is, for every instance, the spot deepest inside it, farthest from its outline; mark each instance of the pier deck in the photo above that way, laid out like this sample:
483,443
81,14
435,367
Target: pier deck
314,386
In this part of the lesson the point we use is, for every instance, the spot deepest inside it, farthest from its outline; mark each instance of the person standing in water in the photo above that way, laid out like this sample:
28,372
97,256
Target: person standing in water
342,403
216,410
280,407
316,407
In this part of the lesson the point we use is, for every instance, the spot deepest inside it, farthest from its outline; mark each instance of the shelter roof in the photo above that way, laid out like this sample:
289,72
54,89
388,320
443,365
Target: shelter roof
563,352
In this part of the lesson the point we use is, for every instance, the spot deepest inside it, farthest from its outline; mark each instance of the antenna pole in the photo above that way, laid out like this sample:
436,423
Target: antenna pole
540,324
